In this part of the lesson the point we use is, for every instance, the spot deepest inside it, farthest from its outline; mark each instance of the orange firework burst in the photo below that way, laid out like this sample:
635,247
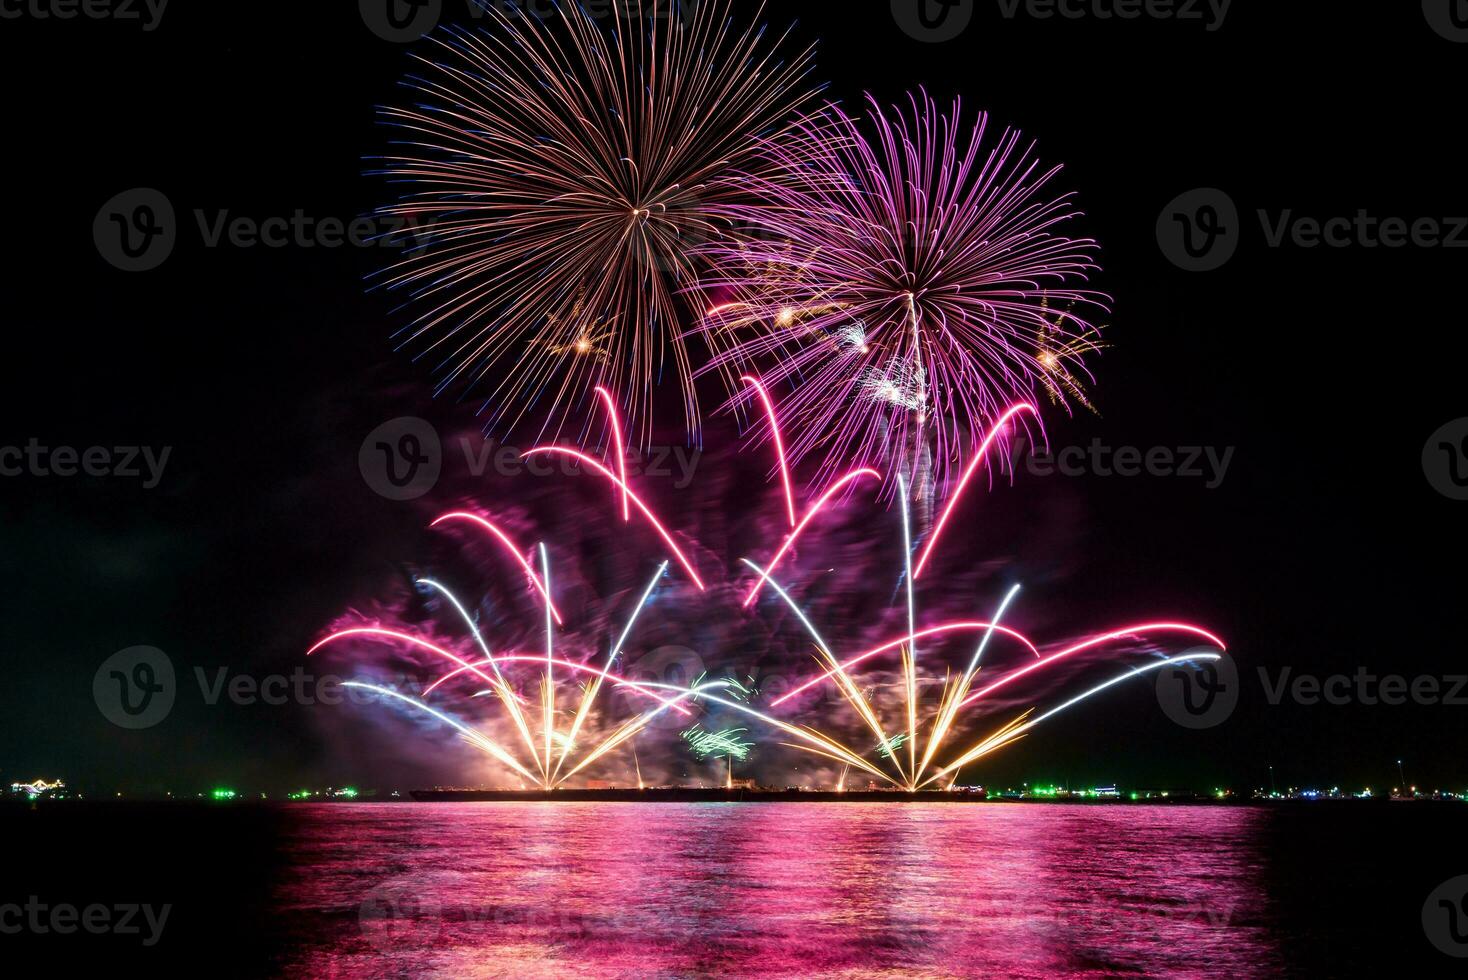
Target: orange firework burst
563,169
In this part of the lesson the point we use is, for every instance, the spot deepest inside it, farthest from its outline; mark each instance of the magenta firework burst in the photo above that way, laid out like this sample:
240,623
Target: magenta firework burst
911,280
562,167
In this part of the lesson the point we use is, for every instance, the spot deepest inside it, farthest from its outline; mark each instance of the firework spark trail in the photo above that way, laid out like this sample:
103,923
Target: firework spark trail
824,745
849,689
646,511
1010,733
589,697
644,688
909,655
615,421
475,737
467,667
779,441
549,695
995,432
944,256
507,694
721,744
895,644
561,172
1092,643
953,696
631,728
509,546
815,511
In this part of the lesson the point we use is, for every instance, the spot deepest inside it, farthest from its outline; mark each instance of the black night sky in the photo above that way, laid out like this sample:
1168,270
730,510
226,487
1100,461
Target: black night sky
1325,370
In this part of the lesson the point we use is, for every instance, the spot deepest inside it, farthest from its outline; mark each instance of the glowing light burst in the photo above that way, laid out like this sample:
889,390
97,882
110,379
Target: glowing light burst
562,165
510,546
906,286
917,730
724,744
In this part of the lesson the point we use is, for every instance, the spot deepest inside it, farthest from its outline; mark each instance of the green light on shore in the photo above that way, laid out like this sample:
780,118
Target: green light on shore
225,795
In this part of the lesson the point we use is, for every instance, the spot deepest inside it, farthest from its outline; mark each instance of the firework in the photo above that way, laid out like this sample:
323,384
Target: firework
913,279
562,170
717,745
908,741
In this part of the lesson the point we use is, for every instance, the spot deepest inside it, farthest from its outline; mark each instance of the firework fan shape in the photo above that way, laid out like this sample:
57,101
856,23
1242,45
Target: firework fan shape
564,168
554,732
910,280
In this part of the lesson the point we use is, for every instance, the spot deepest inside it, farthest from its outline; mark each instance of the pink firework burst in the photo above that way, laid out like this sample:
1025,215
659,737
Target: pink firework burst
909,280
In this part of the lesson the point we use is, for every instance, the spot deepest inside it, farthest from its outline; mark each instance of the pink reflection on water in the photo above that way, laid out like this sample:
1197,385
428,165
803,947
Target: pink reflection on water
808,890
